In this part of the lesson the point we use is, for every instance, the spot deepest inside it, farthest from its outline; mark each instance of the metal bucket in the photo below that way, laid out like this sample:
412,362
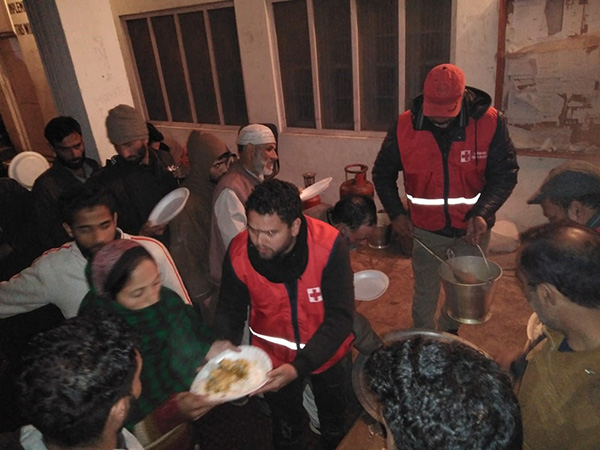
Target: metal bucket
382,233
470,303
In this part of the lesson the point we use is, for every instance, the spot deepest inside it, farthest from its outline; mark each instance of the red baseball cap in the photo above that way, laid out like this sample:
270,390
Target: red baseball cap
443,91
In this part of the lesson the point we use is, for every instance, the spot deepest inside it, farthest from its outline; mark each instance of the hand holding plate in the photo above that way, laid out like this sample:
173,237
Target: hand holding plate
193,406
278,378
219,368
151,230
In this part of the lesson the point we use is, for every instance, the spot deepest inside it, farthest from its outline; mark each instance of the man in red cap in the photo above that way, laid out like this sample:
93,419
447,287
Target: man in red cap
459,167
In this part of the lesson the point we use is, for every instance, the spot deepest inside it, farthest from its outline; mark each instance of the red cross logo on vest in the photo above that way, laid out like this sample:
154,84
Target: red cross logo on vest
465,156
314,295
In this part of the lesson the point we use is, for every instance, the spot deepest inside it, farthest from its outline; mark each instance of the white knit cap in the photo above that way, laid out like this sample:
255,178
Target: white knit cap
255,134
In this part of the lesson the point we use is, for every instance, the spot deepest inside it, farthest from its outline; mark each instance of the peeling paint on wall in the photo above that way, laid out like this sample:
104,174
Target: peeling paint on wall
552,77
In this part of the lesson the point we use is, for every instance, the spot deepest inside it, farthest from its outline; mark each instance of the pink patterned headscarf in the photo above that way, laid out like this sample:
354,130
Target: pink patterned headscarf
105,261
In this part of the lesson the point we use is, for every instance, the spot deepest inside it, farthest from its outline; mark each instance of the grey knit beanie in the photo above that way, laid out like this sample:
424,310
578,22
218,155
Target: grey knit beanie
125,124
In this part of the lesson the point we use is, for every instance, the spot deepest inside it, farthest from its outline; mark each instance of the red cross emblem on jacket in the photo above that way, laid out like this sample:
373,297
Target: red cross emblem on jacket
314,295
465,156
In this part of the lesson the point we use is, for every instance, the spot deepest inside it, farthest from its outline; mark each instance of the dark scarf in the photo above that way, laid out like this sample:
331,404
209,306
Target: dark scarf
173,344
286,268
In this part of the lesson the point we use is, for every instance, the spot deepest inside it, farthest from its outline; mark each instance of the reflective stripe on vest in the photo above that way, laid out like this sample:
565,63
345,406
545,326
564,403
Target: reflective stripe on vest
276,340
440,201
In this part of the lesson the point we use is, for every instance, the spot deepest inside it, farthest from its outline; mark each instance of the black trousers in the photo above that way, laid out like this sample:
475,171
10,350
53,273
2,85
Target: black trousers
289,418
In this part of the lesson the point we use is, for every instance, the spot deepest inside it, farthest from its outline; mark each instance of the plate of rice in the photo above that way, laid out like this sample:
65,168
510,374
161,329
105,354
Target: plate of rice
231,375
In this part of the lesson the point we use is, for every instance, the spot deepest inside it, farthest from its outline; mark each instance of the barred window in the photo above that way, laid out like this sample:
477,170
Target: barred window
339,59
188,65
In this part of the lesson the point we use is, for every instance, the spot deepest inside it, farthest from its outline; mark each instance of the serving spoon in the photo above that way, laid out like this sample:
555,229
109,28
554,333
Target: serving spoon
460,275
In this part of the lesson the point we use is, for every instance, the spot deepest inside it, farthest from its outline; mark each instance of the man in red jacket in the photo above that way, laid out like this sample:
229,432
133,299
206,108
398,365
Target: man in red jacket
294,273
459,167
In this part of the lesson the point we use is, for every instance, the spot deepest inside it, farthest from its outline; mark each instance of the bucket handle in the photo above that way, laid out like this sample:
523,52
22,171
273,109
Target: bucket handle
487,264
490,278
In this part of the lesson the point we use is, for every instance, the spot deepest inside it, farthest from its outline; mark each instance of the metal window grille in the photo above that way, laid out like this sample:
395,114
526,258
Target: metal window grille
350,64
188,65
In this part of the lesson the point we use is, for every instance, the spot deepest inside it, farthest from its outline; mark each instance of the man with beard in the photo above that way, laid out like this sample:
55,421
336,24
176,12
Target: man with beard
294,273
138,176
77,384
257,149
71,168
58,276
190,231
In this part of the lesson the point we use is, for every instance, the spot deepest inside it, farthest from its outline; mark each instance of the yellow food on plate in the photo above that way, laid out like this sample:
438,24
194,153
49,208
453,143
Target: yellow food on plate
228,372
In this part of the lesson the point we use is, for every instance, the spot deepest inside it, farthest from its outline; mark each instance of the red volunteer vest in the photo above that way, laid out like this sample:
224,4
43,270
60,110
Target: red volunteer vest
270,321
423,167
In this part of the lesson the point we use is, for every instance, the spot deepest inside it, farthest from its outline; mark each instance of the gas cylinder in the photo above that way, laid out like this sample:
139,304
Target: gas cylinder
359,185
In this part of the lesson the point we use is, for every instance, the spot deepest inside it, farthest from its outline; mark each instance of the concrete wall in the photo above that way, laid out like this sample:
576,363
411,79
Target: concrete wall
551,87
97,58
476,42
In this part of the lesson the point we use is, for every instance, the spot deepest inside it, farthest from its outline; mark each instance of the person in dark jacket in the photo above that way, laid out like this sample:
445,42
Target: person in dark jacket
459,167
190,230
294,272
70,169
138,176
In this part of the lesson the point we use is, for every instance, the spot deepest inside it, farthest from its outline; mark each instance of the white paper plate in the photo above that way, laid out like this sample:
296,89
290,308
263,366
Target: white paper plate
169,206
534,327
370,284
315,189
26,167
260,364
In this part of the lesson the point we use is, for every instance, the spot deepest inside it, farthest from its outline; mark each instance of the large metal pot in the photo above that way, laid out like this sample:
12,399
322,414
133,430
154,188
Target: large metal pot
360,380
